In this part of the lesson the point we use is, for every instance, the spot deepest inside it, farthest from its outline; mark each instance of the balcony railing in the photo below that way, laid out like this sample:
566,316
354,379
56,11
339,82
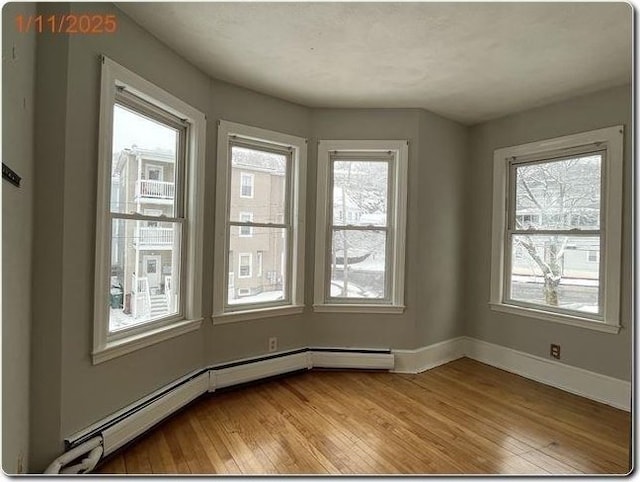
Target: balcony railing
155,189
153,236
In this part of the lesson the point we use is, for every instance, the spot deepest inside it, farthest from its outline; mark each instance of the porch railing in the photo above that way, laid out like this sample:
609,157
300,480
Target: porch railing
153,236
155,189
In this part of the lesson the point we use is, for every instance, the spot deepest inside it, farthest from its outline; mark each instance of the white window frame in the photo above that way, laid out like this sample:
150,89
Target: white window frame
250,176
110,345
248,256
250,220
610,140
396,224
229,132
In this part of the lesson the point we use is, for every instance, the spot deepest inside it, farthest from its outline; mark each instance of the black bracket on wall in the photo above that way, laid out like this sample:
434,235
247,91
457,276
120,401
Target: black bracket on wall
10,175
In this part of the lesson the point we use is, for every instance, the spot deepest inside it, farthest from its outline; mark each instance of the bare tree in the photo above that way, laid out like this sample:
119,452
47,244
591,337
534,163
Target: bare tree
561,196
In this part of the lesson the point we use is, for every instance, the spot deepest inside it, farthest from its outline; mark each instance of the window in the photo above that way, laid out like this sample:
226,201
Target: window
556,243
360,230
246,230
244,270
260,214
148,244
246,185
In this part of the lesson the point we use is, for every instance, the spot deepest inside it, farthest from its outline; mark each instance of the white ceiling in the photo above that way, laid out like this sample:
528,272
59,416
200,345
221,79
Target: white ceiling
466,61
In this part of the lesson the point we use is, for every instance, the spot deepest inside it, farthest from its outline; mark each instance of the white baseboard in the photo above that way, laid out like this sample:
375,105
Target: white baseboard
588,384
427,357
346,359
133,420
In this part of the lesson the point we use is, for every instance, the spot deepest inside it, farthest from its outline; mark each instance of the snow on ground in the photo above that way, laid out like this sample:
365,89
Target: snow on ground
259,298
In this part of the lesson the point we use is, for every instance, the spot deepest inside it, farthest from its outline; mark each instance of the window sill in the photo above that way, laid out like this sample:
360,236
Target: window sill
555,317
362,308
235,316
116,348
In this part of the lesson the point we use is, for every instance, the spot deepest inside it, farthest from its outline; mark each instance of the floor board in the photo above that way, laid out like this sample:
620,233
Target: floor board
460,418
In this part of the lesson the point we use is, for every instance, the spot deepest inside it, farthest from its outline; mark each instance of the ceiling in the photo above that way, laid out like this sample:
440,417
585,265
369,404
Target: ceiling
469,62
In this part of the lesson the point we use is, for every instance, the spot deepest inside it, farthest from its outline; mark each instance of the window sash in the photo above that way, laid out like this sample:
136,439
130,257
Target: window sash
362,156
286,225
146,109
511,230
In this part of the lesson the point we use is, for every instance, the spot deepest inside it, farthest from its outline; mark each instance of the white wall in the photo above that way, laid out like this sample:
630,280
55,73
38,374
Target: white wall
18,103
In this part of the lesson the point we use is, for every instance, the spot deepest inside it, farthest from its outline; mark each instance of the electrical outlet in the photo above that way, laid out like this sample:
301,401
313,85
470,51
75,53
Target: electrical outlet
273,343
554,351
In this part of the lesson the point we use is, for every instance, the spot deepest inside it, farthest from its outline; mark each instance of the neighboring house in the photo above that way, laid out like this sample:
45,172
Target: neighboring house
143,181
257,254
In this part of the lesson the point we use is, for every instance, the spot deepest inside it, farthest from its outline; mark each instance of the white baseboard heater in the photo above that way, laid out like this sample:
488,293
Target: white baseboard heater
125,425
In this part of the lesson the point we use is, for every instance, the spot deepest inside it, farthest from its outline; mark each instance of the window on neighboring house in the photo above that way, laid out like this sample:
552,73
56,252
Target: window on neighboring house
548,210
246,230
244,265
147,269
360,255
246,185
267,223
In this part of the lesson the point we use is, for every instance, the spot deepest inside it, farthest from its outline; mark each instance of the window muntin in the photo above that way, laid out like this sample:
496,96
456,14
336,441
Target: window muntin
554,218
359,231
147,215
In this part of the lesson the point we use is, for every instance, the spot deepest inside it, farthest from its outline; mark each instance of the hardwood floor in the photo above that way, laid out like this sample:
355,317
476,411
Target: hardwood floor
461,418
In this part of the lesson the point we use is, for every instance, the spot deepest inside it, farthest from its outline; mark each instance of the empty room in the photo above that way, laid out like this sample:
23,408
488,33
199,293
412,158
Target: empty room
317,238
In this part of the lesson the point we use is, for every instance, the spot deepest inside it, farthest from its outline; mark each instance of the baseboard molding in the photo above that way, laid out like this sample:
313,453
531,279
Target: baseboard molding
427,357
128,423
588,384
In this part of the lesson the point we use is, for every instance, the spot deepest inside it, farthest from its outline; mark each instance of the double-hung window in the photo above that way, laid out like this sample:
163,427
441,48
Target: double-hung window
148,215
360,231
260,216
557,229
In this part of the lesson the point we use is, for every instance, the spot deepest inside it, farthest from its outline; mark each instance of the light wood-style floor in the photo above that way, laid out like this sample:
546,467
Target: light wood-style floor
461,418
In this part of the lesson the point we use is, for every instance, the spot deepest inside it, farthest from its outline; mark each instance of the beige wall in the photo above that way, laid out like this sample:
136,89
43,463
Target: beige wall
18,105
604,353
449,197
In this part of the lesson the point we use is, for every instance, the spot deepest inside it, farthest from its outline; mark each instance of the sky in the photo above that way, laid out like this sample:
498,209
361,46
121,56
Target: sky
130,129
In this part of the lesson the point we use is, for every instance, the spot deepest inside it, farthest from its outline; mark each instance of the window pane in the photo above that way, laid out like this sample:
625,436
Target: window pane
559,194
259,268
559,271
145,272
144,164
258,184
360,193
364,252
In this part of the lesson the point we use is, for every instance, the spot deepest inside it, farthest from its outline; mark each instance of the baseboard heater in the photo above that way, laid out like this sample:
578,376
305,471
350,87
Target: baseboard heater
125,425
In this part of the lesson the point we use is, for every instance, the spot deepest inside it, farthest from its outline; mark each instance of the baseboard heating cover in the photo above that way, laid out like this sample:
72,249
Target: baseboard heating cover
133,420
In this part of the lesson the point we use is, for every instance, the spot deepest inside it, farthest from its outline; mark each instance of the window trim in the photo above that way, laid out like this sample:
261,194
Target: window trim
107,346
610,140
396,211
261,139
